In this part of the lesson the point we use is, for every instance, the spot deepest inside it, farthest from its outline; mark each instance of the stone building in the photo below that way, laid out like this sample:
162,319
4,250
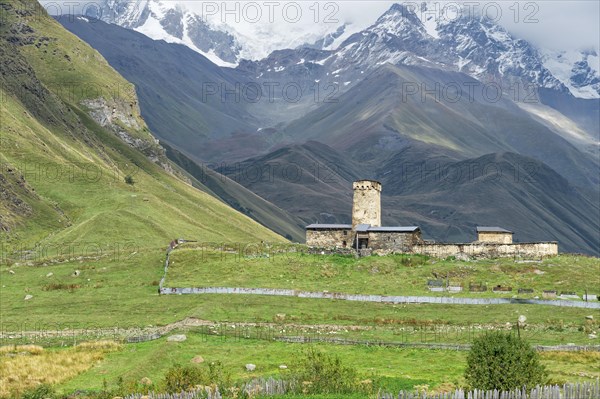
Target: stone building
366,235
366,231
496,235
366,203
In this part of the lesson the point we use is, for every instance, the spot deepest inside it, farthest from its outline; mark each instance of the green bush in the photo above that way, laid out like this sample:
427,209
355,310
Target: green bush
43,391
129,180
319,373
182,378
503,361
218,375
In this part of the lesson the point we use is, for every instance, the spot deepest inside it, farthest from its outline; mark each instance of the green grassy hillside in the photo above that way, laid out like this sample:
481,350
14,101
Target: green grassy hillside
194,266
70,134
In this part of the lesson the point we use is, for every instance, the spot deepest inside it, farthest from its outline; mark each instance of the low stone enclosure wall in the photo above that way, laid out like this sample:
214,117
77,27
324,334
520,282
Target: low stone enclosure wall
377,298
534,250
525,250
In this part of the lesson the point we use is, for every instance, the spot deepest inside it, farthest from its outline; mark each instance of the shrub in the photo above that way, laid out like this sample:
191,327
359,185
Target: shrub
103,345
182,378
411,260
319,373
218,375
129,180
503,361
61,286
43,391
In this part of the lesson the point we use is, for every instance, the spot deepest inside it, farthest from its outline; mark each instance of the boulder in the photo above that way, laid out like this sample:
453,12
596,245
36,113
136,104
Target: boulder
198,359
250,367
28,297
283,367
50,274
177,338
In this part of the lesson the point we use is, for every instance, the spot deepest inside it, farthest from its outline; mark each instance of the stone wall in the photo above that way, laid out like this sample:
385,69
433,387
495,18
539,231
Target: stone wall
366,205
449,300
489,250
495,237
331,238
384,243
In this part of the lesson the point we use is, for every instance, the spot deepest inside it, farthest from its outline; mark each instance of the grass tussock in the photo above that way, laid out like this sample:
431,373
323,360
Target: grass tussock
20,373
103,345
11,350
60,286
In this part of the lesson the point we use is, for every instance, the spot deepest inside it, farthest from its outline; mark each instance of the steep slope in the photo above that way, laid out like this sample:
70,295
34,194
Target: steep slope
71,134
180,91
311,181
433,188
225,34
170,22
230,191
396,105
474,45
578,70
211,114
519,193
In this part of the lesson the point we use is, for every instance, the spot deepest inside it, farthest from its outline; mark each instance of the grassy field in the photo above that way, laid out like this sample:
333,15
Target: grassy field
99,366
396,368
119,289
24,367
390,275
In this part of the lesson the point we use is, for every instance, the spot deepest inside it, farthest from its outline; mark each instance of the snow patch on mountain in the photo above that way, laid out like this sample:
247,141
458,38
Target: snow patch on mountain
579,71
155,30
406,33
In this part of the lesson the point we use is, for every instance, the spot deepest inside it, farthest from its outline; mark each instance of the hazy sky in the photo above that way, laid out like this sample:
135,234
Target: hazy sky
565,25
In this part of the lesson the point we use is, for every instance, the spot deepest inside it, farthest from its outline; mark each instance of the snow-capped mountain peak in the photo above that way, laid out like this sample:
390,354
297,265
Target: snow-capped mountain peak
406,34
577,70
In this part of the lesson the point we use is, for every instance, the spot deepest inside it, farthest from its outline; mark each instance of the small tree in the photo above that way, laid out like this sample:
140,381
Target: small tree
503,361
182,378
320,373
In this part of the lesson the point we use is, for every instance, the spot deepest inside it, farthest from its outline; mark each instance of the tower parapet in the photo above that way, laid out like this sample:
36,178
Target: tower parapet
366,206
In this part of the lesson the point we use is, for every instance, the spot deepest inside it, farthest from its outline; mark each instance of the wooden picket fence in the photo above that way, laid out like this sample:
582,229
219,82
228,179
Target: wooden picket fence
266,387
569,391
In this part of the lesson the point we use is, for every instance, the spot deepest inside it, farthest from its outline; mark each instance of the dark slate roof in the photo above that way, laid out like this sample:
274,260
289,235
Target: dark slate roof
362,228
483,229
395,229
329,226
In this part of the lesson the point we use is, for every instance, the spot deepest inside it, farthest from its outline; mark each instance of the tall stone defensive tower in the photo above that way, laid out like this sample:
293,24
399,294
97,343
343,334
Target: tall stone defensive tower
366,207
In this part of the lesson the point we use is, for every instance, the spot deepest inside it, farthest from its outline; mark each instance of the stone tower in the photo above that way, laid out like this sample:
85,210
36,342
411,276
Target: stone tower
366,207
